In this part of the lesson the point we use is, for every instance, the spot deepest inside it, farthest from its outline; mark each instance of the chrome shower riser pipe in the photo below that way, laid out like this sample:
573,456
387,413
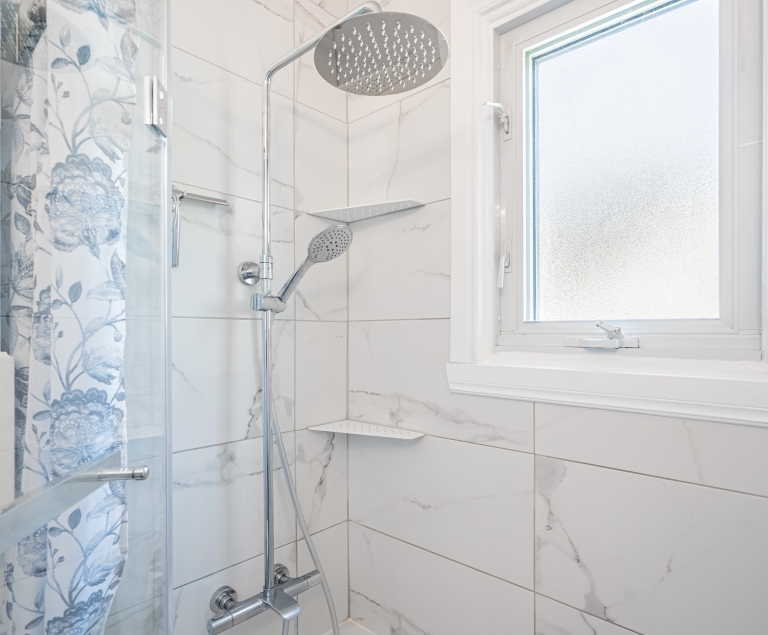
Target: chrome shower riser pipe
266,286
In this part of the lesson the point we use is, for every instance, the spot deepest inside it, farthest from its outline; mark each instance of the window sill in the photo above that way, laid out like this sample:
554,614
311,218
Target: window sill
724,391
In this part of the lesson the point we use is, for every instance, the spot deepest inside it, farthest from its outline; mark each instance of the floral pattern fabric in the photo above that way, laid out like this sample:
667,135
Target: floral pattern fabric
66,132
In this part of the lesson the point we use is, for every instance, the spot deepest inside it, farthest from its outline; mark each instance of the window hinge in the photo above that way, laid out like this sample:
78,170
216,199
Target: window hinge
614,338
503,117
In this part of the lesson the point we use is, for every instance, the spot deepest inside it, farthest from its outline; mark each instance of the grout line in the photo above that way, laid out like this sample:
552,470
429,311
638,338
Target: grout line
624,628
229,71
406,96
439,555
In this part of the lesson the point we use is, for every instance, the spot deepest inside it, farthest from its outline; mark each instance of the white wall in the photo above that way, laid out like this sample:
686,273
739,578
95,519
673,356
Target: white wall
513,517
221,50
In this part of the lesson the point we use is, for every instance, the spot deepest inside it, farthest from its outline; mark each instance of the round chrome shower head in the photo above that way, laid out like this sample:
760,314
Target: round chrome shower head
330,243
381,54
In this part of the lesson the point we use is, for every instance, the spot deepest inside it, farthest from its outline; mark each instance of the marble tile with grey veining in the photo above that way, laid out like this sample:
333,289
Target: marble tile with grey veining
322,294
310,88
716,454
214,241
396,588
397,378
217,132
321,478
217,507
651,555
403,151
438,12
217,380
400,265
554,618
244,36
332,549
321,160
321,373
191,610
412,490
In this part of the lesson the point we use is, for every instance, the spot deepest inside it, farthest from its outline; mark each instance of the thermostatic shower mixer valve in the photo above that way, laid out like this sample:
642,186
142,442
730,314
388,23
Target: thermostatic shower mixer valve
368,52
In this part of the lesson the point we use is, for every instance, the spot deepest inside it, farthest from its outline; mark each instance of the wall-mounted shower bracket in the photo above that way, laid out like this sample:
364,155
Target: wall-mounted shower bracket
248,273
267,303
229,612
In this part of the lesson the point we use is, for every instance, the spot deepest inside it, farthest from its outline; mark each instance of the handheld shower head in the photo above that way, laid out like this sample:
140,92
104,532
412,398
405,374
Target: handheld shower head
330,243
381,54
326,245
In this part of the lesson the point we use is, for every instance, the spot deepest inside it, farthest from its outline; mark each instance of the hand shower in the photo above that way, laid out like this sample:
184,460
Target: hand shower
327,245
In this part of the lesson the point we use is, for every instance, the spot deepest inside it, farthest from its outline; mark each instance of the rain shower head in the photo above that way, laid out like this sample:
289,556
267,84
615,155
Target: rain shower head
326,245
381,54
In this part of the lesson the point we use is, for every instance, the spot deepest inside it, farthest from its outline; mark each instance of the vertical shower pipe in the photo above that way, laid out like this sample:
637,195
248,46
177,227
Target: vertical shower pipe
266,288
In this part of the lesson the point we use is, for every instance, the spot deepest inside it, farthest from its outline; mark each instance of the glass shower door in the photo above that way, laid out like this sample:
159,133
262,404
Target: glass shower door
83,314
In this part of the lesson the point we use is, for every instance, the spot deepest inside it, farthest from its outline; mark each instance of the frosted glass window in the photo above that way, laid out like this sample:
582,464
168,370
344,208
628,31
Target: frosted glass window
623,200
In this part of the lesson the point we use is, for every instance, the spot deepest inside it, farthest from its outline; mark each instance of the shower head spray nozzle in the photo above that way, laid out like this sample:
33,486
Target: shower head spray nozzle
381,54
327,245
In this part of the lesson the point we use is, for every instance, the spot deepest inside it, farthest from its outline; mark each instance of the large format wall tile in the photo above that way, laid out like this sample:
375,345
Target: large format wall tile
191,609
398,588
554,618
217,132
403,151
467,502
397,378
214,241
332,550
310,88
655,556
438,12
321,478
321,161
217,380
322,293
242,36
400,265
321,373
217,507
721,455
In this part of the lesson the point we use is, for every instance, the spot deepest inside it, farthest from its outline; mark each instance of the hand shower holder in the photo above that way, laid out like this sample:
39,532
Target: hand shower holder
229,612
261,302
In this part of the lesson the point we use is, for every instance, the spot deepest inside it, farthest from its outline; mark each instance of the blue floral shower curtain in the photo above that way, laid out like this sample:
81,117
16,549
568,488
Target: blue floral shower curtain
66,130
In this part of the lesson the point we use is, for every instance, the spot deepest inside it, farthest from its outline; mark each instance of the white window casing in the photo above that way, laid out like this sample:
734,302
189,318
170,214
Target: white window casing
699,369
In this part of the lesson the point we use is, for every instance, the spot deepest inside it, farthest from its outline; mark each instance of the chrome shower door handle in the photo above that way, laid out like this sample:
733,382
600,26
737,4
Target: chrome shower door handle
140,473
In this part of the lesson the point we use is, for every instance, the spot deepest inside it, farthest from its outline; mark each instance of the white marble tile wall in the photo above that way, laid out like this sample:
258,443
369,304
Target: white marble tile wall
480,515
321,378
652,555
643,524
397,377
398,588
221,51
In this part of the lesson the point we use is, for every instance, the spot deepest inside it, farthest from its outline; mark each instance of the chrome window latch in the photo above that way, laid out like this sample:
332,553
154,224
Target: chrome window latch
614,338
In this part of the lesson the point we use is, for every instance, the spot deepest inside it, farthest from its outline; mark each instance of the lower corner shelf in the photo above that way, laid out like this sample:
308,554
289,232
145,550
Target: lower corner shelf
367,430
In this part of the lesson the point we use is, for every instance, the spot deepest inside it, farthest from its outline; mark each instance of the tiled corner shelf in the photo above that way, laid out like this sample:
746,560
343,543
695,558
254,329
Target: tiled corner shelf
367,430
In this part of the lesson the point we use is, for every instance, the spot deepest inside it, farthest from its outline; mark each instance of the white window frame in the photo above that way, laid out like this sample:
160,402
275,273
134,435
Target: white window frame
706,389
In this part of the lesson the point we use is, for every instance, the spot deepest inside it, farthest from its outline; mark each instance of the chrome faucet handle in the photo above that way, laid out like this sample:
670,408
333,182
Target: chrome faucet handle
222,599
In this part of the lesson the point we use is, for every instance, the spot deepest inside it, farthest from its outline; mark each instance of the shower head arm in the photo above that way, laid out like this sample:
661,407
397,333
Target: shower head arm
266,237
294,280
